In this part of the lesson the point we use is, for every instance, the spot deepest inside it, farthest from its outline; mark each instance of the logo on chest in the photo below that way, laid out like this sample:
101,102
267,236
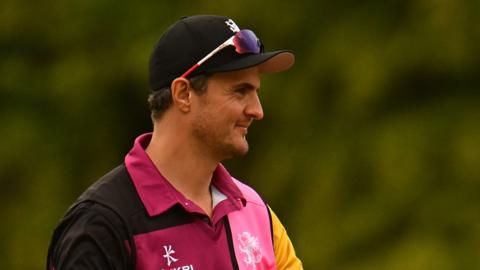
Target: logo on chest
169,251
250,246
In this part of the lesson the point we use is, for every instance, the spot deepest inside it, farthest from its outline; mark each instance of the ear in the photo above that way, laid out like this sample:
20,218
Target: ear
181,94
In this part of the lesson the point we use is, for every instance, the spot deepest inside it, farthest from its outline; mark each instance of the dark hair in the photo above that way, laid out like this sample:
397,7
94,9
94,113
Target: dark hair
160,100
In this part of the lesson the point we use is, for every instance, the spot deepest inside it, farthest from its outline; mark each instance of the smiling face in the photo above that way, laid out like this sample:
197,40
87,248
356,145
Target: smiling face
223,114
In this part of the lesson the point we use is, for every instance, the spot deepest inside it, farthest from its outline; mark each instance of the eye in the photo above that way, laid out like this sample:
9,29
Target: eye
241,90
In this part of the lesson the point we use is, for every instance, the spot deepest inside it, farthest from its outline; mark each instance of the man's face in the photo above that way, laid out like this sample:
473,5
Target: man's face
224,112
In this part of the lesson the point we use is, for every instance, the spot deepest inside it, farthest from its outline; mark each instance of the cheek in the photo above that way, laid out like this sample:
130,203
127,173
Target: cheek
220,113
231,109
211,121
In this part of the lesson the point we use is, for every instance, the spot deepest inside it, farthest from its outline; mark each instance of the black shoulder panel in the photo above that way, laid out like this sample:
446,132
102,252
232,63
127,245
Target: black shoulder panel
115,190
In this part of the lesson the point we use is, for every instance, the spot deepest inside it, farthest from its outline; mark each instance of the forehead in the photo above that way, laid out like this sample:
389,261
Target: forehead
248,75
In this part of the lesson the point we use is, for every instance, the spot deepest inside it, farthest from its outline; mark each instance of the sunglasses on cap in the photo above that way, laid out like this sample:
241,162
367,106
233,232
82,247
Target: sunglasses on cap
244,41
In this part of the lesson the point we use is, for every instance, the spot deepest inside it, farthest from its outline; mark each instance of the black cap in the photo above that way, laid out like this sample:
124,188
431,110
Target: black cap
191,38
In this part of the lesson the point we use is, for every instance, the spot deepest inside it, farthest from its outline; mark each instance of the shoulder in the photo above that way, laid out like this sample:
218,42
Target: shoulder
89,233
115,191
88,217
285,255
103,203
97,223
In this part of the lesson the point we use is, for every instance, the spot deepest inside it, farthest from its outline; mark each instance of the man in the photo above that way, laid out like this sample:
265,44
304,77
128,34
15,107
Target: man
172,205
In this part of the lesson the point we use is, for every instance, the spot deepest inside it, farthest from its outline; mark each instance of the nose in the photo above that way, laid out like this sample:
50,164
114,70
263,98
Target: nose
254,107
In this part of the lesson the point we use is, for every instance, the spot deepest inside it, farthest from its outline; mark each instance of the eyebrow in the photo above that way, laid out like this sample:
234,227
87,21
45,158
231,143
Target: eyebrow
246,85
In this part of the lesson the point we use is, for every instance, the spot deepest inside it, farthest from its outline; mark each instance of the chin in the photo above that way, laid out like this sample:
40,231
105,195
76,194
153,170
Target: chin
237,150
242,151
242,147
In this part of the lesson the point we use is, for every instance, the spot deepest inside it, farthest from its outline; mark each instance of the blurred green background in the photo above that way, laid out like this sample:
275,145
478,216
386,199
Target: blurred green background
369,150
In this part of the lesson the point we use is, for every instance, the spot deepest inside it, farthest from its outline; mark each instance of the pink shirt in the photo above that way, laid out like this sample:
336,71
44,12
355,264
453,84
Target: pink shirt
237,237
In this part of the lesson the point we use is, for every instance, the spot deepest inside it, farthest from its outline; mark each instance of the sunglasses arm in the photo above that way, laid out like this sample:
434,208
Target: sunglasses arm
228,42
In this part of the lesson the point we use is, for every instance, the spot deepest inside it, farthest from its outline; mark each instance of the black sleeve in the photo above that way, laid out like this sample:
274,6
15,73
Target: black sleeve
90,236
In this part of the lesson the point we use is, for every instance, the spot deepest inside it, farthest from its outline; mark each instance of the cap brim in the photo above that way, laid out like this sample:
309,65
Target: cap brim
269,62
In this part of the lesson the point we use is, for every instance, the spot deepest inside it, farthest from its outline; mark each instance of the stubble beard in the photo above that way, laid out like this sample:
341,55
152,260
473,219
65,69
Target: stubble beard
206,131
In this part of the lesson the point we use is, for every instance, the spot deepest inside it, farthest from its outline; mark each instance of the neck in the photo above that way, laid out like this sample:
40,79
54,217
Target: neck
182,164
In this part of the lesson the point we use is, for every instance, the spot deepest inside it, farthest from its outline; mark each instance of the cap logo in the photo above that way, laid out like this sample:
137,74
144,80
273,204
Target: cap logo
233,26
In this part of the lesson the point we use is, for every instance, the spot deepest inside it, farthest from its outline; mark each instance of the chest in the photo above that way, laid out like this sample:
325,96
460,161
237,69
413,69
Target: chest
194,245
200,245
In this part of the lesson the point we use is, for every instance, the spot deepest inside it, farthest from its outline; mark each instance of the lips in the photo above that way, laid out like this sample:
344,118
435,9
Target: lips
243,126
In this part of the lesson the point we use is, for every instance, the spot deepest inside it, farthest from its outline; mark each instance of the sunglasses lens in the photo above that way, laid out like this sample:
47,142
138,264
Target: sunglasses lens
246,42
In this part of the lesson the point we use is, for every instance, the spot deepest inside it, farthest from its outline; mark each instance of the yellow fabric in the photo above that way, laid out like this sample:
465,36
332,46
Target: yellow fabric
284,251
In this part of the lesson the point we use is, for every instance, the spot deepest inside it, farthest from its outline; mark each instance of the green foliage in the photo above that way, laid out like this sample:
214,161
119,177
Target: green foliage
369,151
